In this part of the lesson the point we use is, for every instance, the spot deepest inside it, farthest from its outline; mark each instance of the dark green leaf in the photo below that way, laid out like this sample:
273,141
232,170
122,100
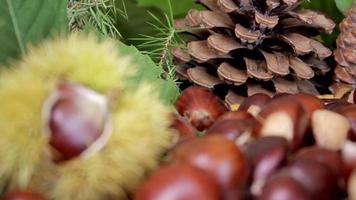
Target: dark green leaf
24,22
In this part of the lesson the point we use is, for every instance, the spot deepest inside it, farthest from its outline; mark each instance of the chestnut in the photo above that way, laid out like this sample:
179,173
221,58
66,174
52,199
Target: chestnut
23,195
200,106
183,128
232,125
327,157
318,179
284,188
330,129
284,117
178,182
76,121
310,103
349,157
352,186
216,155
349,112
265,155
254,103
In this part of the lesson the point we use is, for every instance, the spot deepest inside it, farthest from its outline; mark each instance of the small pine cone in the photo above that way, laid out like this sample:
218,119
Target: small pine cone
345,56
254,46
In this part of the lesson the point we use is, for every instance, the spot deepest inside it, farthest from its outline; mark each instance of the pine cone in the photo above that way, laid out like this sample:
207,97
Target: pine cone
253,46
345,56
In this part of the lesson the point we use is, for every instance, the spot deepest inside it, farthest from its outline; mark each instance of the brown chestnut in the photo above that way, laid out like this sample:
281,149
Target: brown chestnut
330,129
254,103
349,157
284,188
234,124
327,157
310,103
23,195
178,182
200,106
76,121
265,155
284,117
184,129
217,156
349,111
318,179
352,186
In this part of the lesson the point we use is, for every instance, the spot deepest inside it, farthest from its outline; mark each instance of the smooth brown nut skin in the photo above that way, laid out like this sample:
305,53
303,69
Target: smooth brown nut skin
233,124
332,159
184,129
293,129
217,156
318,179
310,103
352,186
200,106
178,182
254,103
23,195
266,155
284,188
75,120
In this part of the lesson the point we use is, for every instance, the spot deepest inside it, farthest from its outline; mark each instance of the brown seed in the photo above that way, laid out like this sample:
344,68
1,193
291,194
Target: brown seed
265,155
352,186
349,157
76,121
178,182
284,188
327,157
318,179
217,156
233,124
23,195
184,129
310,103
200,107
349,111
283,117
330,129
254,103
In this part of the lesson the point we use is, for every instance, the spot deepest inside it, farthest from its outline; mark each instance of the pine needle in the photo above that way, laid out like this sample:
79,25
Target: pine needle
97,13
162,43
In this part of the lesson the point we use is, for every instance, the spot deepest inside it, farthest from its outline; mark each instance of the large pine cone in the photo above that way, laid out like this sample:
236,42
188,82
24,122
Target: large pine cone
345,56
252,46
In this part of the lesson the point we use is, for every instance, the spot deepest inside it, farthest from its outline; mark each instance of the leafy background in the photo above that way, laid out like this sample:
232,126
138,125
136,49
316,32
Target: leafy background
144,29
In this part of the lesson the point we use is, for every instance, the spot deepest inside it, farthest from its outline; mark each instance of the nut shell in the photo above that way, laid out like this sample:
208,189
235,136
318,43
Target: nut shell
200,107
217,156
178,182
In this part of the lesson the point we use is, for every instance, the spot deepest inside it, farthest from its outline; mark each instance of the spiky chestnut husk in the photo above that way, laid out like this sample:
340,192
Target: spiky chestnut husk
139,123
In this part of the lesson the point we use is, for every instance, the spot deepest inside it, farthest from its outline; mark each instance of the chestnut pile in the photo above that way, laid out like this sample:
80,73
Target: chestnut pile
289,147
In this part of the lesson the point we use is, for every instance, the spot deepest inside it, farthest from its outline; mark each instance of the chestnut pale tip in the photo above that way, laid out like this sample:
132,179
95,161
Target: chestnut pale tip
75,121
330,129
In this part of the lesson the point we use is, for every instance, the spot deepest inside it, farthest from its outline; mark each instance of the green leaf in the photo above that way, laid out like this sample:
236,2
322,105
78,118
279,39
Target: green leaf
344,5
179,10
149,71
24,22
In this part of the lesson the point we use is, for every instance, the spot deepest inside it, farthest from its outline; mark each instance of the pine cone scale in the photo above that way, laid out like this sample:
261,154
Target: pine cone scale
254,44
